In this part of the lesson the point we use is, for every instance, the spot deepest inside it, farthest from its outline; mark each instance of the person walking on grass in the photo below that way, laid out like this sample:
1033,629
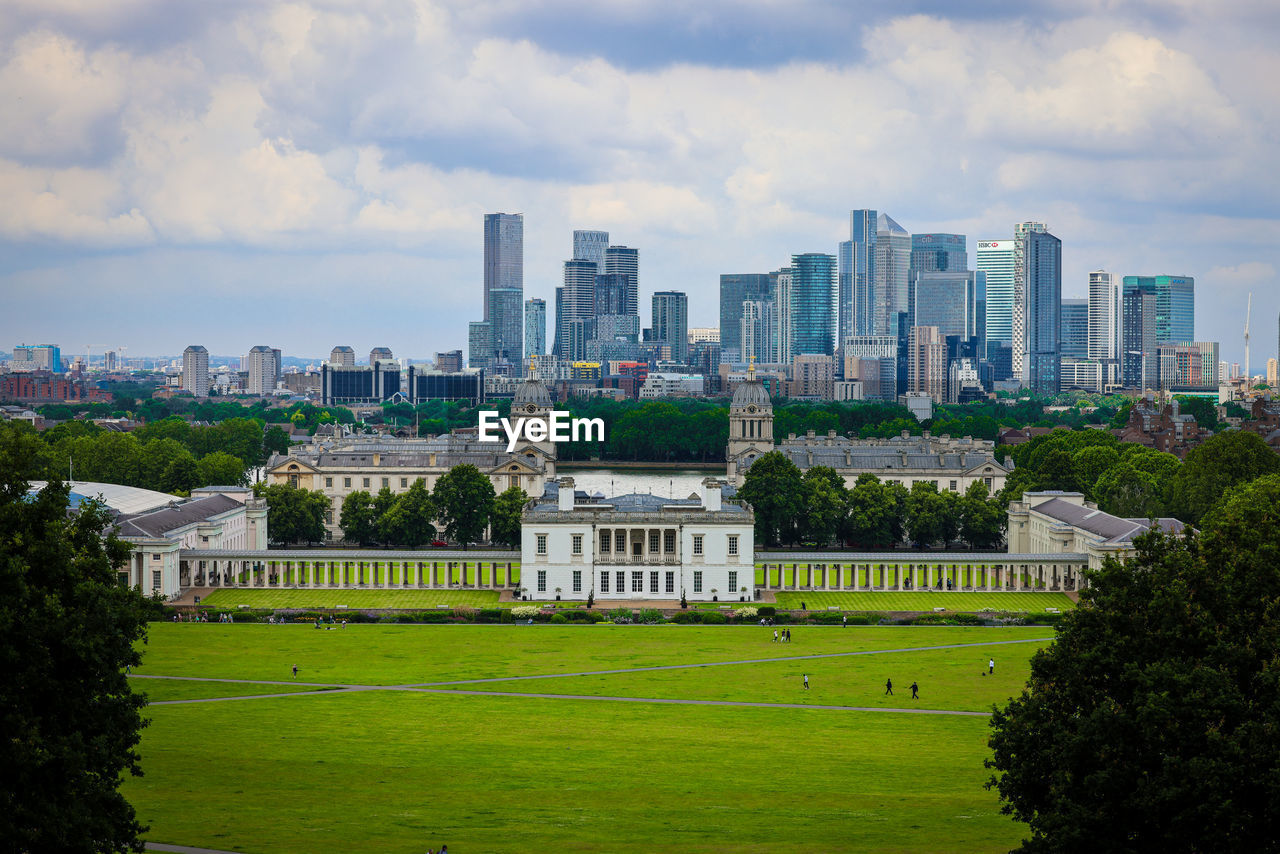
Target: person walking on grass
295,671
775,635
806,681
915,691
991,667
888,687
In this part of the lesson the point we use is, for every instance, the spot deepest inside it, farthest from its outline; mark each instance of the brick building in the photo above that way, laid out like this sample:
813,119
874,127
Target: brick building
47,387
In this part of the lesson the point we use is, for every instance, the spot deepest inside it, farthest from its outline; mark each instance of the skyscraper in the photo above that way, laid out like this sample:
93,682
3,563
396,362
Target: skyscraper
995,259
503,253
479,344
671,322
1074,328
1042,319
813,303
735,290
1138,360
380,354
611,294
263,367
937,252
758,331
506,324
1175,305
927,362
1104,324
625,261
949,301
535,328
857,278
343,355
195,370
892,263
783,282
1021,233
590,246
577,300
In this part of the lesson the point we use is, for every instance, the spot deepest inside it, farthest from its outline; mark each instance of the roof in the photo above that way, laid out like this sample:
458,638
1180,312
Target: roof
532,391
157,523
122,499
751,392
1112,529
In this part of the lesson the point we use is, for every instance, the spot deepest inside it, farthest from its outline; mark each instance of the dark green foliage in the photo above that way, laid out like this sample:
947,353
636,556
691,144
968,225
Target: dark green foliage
1224,461
876,511
294,515
505,524
67,629
825,506
982,518
464,501
358,520
1150,724
774,488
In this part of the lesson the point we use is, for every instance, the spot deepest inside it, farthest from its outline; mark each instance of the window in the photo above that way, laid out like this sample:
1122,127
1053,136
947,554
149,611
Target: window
577,544
366,483
637,582
697,581
733,582
404,483
155,579
542,581
293,481
622,582
605,539
671,582
669,542
542,544
653,542
328,516
328,481
386,481
155,557
953,486
987,481
620,542
653,582
697,544
577,581
604,582
346,483
733,544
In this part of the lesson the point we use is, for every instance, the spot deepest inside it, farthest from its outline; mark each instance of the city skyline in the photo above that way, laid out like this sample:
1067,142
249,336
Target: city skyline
359,211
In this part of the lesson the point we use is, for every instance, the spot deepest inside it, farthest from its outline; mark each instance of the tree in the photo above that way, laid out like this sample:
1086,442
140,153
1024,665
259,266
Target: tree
275,441
982,519
220,469
358,520
1212,468
507,509
408,522
825,505
1149,724
925,511
294,515
1125,491
464,499
875,512
68,631
774,487
1089,464
1056,471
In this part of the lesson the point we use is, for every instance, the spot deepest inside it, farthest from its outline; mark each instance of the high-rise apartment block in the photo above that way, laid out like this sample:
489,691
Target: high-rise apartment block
1074,328
479,344
857,276
953,301
758,331
195,370
590,246
1175,305
577,302
1138,336
1041,288
893,264
784,312
813,303
994,258
735,290
1021,236
625,261
449,362
503,254
343,356
535,327
927,362
1192,365
380,354
263,367
671,322
36,357
503,294
1105,324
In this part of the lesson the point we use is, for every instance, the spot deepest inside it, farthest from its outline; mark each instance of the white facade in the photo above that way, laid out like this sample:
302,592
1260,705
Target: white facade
671,385
1105,324
195,370
263,367
637,547
1063,522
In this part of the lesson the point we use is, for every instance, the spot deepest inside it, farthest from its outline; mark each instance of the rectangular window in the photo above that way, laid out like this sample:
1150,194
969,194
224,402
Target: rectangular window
542,544
366,483
620,542
987,481
577,581
155,557
328,481
346,483
622,582
671,582
697,581
155,579
733,544
404,483
577,544
653,542
637,582
604,582
653,582
953,486
386,481
669,542
733,582
605,539
542,581
697,544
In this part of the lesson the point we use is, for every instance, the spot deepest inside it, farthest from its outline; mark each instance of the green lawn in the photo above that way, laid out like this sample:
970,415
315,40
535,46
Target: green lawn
420,600
925,600
401,771
160,690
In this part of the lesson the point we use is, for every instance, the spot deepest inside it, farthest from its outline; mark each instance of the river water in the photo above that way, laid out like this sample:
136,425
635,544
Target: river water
668,483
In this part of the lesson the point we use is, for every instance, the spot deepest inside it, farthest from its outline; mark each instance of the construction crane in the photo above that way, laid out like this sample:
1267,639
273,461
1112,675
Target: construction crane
87,348
1248,310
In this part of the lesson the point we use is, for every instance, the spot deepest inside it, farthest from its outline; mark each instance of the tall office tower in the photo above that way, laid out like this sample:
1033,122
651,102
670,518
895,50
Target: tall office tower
1138,339
783,283
479,344
671,322
577,332
1021,236
995,259
1074,329
813,304
263,365
758,331
557,340
380,354
1042,301
1191,364
449,362
873,359
503,254
1273,372
37,357
195,370
938,252
535,327
1175,305
590,246
927,362
893,262
1104,324
611,294
578,299
951,301
735,290
857,277
625,260
506,324
343,355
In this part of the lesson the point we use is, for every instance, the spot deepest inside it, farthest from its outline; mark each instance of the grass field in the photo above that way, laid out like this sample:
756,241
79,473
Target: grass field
421,600
398,769
925,600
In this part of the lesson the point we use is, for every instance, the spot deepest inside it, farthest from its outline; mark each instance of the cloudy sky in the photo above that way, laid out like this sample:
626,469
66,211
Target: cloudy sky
314,173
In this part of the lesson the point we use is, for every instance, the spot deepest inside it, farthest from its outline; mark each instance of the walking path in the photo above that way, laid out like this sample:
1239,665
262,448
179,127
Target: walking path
184,849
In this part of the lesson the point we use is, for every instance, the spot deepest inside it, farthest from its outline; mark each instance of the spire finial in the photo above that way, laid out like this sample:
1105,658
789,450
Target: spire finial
751,367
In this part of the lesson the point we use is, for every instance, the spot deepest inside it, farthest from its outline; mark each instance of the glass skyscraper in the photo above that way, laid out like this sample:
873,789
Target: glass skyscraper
813,304
577,302
535,327
1104,323
625,261
671,322
504,287
1175,305
892,265
735,290
930,252
1042,294
590,246
857,277
995,259
1074,330
952,301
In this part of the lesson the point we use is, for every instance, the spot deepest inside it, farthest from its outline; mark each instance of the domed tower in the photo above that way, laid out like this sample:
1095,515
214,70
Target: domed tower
750,426
533,400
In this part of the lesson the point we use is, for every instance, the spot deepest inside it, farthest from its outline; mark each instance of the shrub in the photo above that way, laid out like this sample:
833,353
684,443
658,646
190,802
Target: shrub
766,610
686,617
559,618
826,617
650,616
621,615
525,612
713,618
464,612
747,613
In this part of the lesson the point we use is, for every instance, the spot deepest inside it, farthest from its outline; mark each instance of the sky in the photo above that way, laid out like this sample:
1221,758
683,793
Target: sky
310,174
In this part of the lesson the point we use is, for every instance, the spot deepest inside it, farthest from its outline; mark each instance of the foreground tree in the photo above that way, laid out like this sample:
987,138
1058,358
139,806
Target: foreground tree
67,633
507,508
774,488
408,521
294,515
464,500
1150,723
1222,462
982,520
358,520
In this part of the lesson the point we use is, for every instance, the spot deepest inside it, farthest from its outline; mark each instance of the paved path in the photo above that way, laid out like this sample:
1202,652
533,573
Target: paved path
185,849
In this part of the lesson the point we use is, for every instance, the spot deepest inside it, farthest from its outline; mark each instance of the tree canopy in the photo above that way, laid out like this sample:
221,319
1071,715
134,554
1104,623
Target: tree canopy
774,488
464,500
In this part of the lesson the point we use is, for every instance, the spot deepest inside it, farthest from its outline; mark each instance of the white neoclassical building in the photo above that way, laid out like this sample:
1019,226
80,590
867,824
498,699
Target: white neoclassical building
1053,522
638,546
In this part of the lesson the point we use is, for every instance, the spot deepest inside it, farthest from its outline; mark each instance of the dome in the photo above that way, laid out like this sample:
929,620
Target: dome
531,392
751,392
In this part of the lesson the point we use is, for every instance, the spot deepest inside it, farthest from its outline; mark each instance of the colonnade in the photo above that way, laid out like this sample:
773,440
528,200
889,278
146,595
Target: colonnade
373,572
944,574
